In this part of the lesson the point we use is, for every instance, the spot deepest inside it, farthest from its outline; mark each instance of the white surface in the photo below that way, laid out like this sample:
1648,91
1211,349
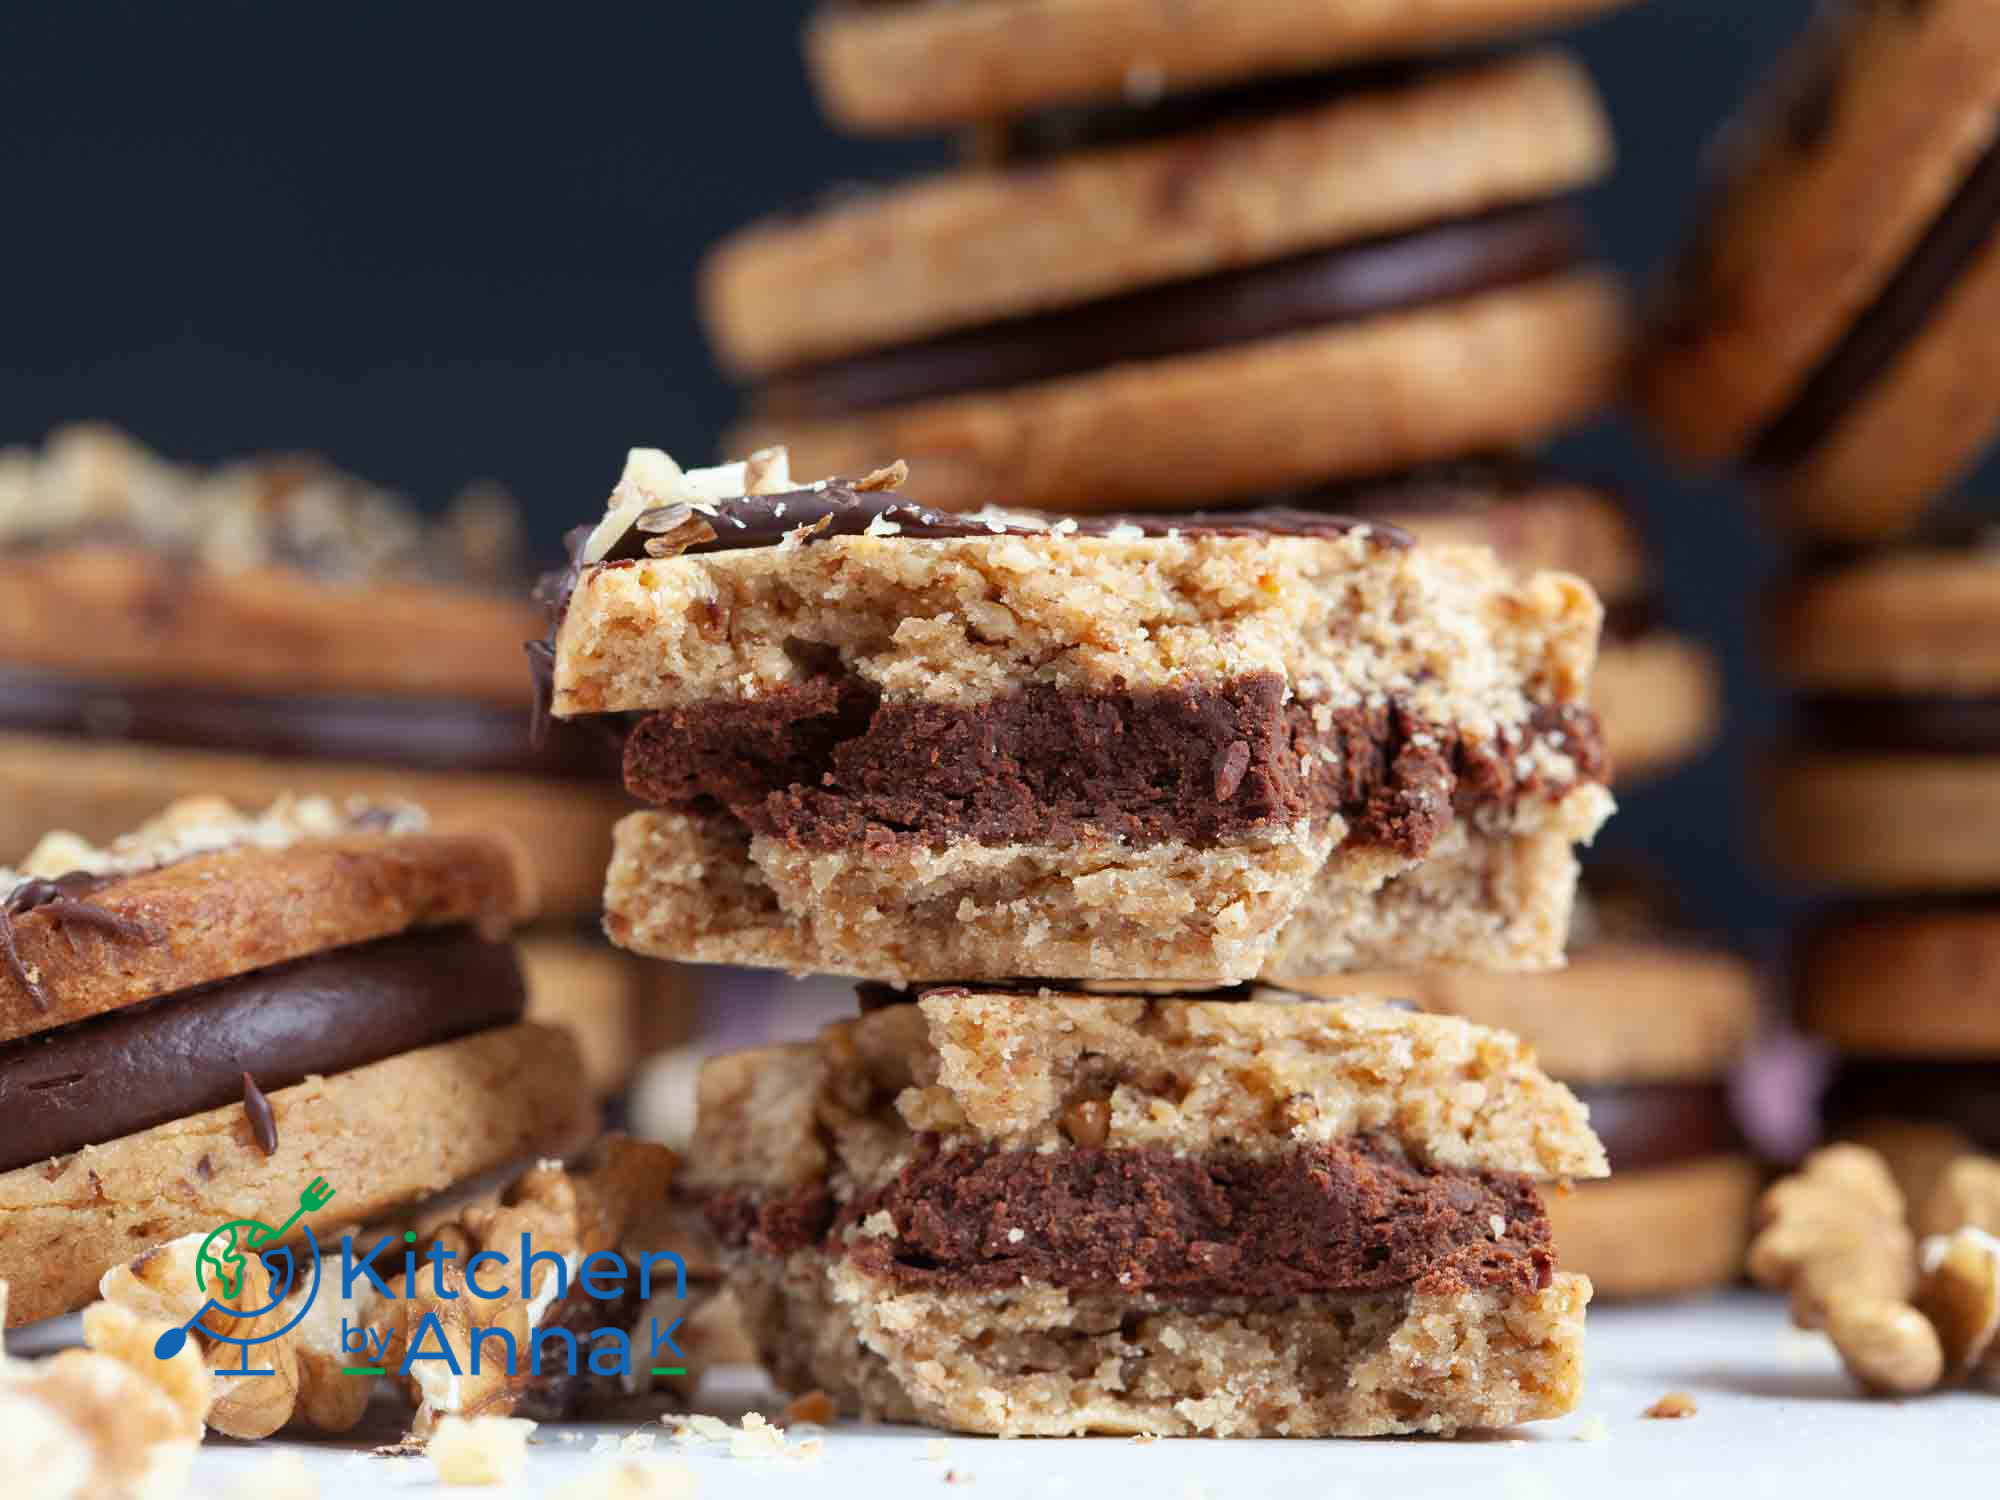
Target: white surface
1776,1417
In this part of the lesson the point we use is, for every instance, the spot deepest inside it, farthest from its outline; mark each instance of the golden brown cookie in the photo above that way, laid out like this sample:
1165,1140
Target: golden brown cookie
1908,980
1911,622
1828,325
1659,1231
261,628
1156,323
204,1016
99,789
1660,697
620,1009
1885,821
912,64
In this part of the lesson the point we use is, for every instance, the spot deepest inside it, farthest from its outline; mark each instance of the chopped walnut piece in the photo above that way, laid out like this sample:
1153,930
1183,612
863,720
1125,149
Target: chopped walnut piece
113,1422
1672,1407
306,1386
814,1406
480,1450
1834,1230
1960,1294
1967,1196
890,477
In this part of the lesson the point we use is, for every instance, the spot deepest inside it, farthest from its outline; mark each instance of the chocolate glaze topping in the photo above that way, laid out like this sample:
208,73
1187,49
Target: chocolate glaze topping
263,1122
62,900
1350,1216
410,733
1901,726
132,1069
1321,288
828,764
1962,1095
1897,316
1660,1124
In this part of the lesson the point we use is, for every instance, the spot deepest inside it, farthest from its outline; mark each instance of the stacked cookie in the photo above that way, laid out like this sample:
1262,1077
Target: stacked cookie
1831,332
1218,263
1158,753
277,627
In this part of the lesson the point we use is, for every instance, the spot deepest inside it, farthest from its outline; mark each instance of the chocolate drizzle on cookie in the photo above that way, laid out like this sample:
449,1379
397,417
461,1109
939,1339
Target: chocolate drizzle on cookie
263,1122
61,901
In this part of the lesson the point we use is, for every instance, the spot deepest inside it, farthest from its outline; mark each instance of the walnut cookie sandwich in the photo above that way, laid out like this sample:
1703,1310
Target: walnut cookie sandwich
1830,327
893,742
1271,297
1037,1213
263,628
219,1009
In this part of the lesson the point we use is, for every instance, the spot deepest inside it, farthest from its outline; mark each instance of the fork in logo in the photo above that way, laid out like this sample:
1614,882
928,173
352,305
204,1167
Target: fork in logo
312,1198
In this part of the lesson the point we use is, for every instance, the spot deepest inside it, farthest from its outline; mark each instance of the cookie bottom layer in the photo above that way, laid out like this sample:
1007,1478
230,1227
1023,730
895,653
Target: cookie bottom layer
1036,1361
384,1136
1887,822
699,890
1251,418
1660,700
100,791
1660,1232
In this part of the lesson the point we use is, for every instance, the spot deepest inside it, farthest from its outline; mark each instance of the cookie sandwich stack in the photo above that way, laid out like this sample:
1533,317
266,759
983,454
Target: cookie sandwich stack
1263,270
1831,332
1002,749
275,627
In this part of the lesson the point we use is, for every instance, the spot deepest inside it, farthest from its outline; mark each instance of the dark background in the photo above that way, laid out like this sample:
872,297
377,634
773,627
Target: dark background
445,241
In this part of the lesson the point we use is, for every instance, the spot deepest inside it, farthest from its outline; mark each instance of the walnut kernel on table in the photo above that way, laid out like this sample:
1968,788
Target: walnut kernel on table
1905,1316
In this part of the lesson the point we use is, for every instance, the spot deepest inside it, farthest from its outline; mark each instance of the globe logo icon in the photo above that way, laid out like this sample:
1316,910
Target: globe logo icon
245,1275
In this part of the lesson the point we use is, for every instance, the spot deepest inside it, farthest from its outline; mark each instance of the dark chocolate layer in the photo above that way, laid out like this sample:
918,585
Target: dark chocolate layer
1345,1217
132,1069
1962,1095
409,733
1901,726
829,764
1898,315
1660,1124
1318,289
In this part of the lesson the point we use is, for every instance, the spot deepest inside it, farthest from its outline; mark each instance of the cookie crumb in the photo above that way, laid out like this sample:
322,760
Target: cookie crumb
953,1476
480,1450
1672,1407
1594,1430
814,1407
282,1476
632,1481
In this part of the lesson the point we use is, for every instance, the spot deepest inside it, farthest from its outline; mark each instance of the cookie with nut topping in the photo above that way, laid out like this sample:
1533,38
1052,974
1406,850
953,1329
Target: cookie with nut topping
202,1018
1159,322
262,628
1829,329
887,741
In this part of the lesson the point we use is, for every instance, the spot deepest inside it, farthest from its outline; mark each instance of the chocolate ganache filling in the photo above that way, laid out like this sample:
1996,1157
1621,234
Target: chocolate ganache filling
1660,1124
144,1065
1920,725
828,763
1962,1095
1879,336
1318,289
1349,1216
408,733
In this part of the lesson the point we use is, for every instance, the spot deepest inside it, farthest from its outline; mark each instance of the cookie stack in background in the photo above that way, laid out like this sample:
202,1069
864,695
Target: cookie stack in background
1831,332
276,627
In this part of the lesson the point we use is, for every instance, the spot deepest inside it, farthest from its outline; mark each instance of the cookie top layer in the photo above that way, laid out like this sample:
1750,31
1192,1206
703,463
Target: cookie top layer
964,609
1915,621
1047,1070
898,65
282,575
204,892
1904,979
1860,140
980,246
